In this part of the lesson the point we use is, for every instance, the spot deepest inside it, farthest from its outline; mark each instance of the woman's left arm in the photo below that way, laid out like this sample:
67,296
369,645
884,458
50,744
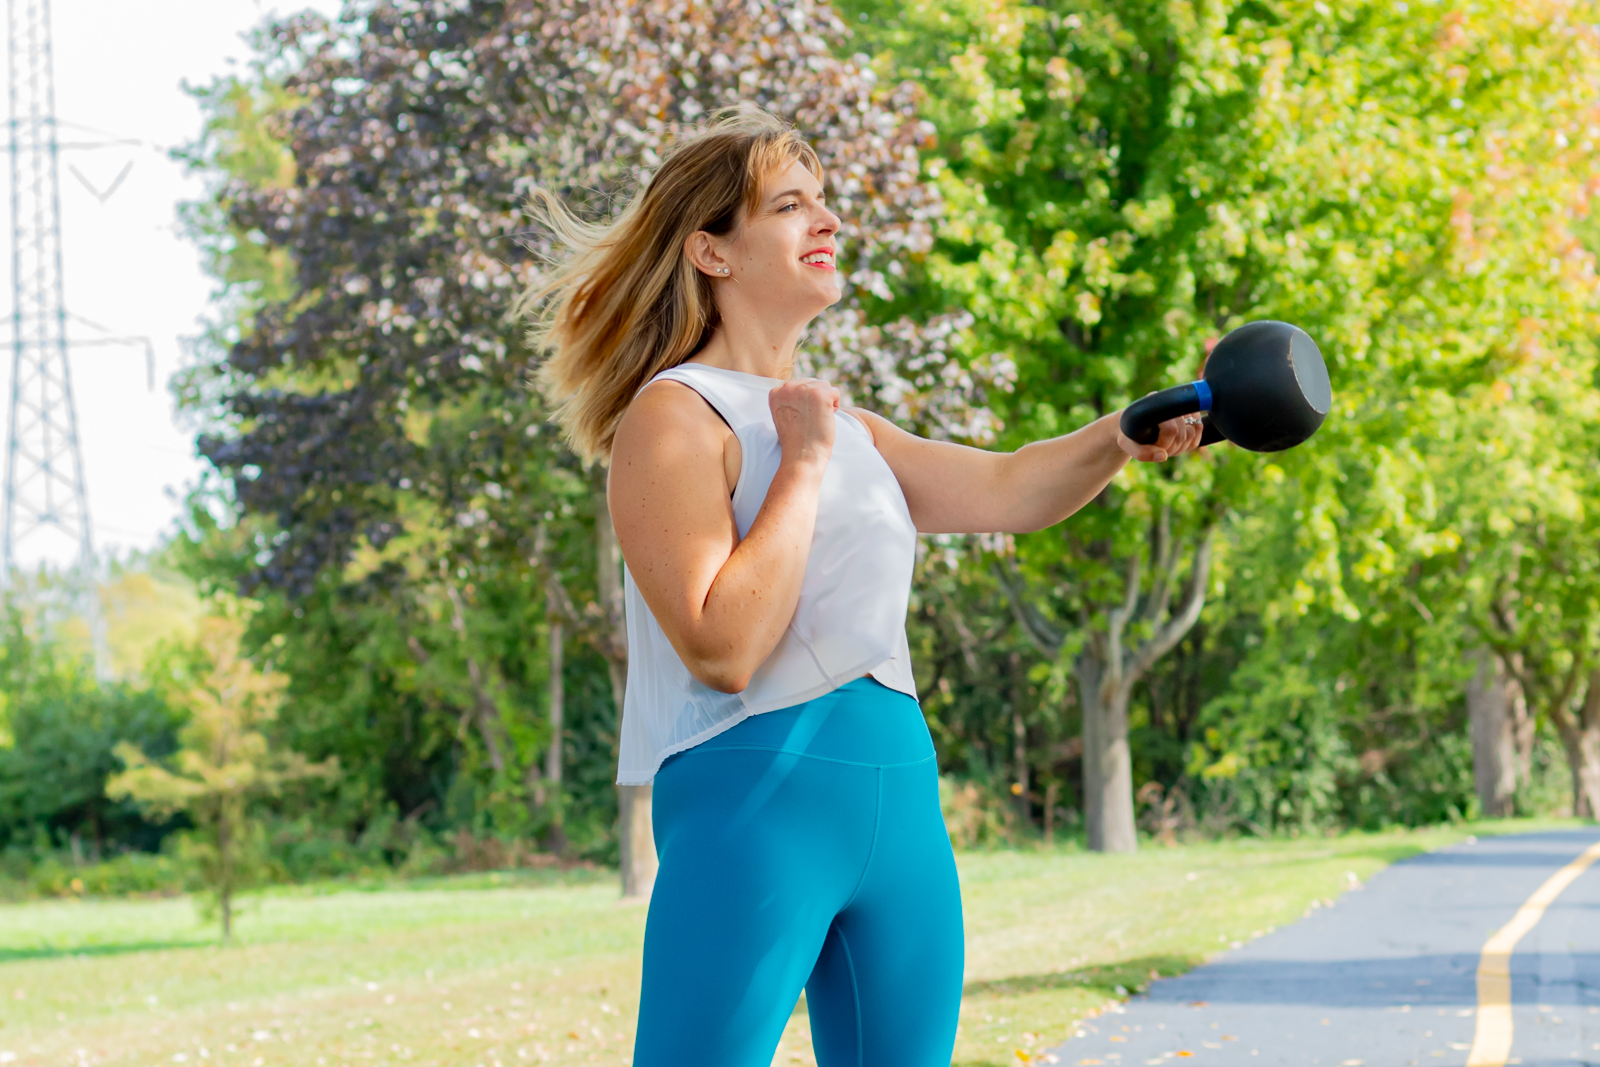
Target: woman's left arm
956,489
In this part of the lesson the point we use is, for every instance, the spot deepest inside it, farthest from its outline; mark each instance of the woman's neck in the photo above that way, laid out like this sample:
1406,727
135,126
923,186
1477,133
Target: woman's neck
763,349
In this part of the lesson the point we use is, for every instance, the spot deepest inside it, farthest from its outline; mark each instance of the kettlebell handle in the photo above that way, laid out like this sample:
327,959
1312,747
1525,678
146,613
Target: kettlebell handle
1142,419
1271,385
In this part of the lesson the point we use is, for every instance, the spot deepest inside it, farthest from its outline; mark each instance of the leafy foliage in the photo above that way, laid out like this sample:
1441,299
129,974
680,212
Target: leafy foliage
1052,208
1125,181
223,764
393,497
62,727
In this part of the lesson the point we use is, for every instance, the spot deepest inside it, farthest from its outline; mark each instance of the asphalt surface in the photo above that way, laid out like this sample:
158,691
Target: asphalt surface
1387,976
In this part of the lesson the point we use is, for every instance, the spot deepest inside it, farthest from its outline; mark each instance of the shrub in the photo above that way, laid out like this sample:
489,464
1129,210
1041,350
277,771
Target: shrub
974,816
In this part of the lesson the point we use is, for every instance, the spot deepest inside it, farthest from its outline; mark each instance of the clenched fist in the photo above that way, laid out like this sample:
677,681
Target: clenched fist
804,412
1178,436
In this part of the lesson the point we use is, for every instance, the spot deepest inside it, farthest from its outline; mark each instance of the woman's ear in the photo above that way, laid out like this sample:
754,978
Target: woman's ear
703,251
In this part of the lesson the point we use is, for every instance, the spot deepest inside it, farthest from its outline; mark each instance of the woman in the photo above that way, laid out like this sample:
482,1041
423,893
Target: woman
769,536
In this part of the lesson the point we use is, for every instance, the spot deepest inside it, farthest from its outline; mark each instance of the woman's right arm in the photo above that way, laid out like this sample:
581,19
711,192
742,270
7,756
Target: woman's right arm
722,602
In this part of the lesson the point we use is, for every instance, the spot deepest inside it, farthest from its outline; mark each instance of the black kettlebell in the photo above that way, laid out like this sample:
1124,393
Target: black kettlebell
1265,387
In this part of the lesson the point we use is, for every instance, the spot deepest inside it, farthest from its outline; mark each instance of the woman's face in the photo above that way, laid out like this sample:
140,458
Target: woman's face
783,253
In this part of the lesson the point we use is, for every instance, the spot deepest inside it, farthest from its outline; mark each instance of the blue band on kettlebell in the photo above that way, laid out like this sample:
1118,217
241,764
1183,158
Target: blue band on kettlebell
1203,391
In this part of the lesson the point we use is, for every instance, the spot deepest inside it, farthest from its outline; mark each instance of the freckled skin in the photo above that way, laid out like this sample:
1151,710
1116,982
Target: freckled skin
723,602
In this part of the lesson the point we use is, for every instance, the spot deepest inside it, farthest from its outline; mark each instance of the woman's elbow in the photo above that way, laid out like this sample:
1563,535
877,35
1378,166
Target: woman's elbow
718,662
1032,523
721,675
729,682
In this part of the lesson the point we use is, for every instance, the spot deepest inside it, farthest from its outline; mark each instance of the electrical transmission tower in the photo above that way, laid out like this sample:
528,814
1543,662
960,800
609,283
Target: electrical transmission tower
44,484
44,465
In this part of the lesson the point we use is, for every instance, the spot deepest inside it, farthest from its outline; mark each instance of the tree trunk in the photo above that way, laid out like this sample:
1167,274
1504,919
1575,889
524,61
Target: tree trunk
556,640
1019,758
1580,736
1584,762
1524,724
225,870
485,712
1490,694
1107,671
635,838
1107,765
635,834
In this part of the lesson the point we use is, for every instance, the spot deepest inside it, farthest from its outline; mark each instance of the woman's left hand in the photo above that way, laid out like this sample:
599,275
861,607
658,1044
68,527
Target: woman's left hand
1177,436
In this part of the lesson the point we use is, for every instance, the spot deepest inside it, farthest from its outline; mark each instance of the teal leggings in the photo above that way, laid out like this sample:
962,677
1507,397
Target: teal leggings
804,848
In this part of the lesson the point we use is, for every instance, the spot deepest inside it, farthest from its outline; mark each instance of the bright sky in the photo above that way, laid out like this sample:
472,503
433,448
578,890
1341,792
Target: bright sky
120,67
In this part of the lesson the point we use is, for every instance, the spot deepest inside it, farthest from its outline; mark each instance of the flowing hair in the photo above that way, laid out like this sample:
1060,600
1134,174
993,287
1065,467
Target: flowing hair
626,303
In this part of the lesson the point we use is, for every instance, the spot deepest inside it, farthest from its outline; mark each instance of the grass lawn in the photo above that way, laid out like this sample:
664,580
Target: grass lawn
543,968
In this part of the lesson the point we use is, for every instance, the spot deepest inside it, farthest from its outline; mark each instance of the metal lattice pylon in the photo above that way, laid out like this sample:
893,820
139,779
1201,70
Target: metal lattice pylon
44,465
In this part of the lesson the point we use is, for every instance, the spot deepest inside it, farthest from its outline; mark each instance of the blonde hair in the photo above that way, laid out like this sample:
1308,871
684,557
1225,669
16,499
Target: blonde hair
627,303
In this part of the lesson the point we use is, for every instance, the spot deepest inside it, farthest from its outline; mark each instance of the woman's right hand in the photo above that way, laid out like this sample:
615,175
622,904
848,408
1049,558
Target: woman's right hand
804,410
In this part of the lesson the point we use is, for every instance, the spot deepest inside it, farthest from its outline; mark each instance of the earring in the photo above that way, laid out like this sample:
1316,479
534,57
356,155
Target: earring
724,270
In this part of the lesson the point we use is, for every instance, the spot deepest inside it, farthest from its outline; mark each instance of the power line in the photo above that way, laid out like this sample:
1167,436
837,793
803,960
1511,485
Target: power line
44,484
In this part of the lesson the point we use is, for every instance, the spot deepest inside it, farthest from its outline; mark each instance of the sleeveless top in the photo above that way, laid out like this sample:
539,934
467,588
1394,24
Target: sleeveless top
850,620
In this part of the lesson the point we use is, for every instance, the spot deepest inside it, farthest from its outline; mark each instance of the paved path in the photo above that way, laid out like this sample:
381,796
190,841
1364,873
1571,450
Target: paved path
1386,977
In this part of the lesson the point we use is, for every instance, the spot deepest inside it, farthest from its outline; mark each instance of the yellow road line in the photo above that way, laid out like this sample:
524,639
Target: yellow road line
1491,1043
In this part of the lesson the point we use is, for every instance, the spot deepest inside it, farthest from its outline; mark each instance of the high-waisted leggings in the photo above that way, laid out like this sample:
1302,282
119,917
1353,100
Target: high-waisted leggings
804,848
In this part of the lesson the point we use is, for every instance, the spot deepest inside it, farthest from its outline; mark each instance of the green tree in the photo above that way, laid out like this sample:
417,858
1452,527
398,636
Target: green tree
224,763
1125,181
398,498
1540,602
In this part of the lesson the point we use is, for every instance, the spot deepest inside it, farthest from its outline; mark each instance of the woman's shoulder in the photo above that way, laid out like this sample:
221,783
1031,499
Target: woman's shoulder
668,406
669,441
667,423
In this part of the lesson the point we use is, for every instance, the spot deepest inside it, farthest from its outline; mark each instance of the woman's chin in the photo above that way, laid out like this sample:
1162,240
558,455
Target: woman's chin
831,292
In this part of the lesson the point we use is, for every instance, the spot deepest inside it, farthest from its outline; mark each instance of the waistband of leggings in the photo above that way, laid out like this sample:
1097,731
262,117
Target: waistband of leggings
861,722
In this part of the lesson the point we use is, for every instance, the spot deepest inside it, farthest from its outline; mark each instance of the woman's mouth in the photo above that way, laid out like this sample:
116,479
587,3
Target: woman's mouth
820,258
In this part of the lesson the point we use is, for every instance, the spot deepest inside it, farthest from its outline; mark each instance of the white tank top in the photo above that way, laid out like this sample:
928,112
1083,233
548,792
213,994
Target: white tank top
851,617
